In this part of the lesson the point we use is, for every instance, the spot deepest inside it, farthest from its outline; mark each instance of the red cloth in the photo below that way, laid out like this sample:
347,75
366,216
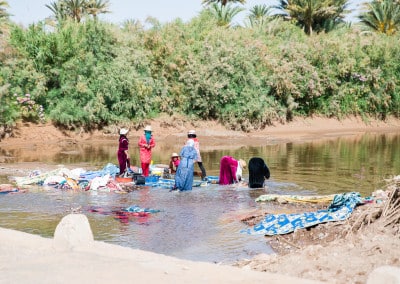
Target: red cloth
145,169
227,172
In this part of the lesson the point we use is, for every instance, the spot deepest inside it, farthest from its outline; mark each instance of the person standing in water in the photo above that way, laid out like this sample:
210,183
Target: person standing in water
231,170
192,136
258,172
123,151
146,143
184,173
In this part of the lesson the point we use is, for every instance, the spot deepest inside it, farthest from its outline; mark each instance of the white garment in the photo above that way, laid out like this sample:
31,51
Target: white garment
239,172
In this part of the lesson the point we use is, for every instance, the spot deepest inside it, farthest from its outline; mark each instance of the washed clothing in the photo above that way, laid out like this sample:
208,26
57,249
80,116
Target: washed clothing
184,173
278,224
258,172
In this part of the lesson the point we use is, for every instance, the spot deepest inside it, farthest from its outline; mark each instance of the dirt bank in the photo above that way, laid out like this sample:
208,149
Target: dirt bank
213,134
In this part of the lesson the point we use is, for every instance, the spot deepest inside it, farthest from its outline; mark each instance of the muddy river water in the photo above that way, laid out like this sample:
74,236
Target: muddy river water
203,224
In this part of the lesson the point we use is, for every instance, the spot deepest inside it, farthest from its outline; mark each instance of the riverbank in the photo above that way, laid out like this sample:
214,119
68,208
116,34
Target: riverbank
345,260
45,140
74,257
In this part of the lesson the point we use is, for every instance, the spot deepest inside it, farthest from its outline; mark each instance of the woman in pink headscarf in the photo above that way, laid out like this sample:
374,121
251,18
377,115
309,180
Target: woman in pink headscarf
231,170
146,143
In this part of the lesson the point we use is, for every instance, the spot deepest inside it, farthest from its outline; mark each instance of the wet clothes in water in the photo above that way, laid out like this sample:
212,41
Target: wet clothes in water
258,172
184,173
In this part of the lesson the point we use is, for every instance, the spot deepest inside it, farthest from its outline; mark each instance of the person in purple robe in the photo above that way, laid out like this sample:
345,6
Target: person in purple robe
123,151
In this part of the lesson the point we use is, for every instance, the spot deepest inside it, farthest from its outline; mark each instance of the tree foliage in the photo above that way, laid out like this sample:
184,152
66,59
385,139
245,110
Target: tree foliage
223,2
382,16
314,15
77,9
91,74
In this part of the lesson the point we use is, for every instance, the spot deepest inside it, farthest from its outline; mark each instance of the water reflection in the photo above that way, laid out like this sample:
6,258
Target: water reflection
203,224
360,163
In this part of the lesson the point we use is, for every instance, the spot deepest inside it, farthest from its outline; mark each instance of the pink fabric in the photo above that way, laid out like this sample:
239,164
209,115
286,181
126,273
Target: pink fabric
176,162
228,168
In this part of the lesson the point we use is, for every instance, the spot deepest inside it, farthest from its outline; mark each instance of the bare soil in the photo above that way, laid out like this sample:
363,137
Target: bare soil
339,252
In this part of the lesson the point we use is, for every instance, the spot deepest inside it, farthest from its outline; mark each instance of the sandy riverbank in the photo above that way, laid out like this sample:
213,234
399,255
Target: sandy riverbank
73,257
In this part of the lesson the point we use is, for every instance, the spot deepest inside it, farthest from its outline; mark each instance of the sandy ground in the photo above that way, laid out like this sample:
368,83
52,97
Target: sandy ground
345,252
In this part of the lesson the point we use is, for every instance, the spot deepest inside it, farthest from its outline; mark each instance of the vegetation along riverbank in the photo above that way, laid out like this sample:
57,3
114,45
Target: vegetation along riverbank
82,73
73,77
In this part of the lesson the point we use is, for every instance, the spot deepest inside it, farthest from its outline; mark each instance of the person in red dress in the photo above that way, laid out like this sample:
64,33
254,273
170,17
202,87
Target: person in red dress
146,143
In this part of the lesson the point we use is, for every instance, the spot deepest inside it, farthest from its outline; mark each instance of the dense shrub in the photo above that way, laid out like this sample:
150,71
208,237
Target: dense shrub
92,74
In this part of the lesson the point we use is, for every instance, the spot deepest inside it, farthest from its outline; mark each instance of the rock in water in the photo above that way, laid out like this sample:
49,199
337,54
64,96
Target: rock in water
73,231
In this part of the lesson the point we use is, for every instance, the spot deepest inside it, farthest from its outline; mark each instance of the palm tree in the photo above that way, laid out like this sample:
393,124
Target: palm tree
3,10
382,16
77,9
96,7
259,14
58,9
224,14
313,15
223,2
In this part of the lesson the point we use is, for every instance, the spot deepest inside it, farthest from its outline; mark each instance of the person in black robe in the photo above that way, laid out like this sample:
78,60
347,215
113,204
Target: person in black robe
258,172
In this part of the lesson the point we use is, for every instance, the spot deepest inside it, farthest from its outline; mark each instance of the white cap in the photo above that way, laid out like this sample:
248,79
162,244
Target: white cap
192,132
123,131
147,128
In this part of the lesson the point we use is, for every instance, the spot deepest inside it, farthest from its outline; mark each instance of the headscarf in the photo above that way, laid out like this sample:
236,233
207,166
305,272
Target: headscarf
190,143
147,134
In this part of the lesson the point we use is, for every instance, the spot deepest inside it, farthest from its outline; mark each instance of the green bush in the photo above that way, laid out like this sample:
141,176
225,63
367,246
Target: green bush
92,74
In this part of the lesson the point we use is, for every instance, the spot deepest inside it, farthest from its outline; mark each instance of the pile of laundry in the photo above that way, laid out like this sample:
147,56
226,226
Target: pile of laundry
75,179
340,208
103,180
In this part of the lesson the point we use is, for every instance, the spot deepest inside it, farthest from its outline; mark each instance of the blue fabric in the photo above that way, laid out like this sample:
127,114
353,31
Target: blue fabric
147,134
137,209
110,169
184,173
278,224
